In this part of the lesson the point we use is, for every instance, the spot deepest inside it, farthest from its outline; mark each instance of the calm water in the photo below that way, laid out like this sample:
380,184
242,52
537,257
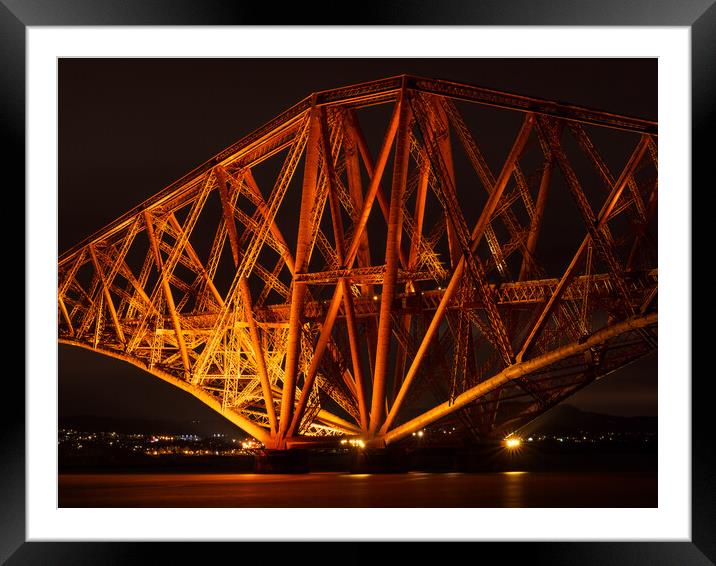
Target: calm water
505,489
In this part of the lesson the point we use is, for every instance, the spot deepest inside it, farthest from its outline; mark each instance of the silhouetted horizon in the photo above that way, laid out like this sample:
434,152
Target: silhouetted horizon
561,418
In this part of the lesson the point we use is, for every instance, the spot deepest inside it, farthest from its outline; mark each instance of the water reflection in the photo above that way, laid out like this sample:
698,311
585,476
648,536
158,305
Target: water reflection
506,489
514,495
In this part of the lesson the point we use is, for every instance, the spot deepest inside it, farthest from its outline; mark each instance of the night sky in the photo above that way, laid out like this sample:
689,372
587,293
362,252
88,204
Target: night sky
129,127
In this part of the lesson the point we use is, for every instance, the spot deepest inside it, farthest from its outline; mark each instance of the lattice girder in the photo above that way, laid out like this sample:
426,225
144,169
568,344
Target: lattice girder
335,274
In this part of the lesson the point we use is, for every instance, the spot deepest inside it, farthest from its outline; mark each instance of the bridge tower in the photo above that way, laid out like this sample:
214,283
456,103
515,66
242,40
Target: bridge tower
369,265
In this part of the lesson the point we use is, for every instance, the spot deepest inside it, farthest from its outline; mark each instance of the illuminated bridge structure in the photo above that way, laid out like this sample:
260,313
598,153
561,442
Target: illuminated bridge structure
370,289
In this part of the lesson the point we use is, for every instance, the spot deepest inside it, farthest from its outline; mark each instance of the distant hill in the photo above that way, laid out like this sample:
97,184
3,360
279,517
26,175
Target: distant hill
566,419
93,423
562,419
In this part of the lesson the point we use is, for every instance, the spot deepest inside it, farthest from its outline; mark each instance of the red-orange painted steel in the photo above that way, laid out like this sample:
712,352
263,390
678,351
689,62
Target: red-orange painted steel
389,345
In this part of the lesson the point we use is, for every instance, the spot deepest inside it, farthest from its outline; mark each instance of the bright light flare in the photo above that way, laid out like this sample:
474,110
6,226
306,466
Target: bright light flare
513,443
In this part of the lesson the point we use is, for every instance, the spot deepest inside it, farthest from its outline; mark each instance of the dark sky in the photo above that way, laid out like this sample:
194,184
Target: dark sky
129,127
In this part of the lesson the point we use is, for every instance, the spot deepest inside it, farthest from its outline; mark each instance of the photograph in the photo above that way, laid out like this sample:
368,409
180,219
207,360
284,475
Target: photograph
357,282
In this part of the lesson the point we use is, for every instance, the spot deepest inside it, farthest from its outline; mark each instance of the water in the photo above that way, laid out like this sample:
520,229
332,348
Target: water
415,489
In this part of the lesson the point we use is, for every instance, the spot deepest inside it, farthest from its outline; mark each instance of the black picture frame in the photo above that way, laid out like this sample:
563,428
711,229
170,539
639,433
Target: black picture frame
17,15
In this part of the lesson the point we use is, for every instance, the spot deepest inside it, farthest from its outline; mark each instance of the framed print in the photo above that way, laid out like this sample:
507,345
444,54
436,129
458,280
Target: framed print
447,322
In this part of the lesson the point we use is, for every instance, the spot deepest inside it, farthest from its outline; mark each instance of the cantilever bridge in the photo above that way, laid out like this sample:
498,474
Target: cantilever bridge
372,289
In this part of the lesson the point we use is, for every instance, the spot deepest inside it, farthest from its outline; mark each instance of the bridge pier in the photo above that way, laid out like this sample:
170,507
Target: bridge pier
289,461
379,461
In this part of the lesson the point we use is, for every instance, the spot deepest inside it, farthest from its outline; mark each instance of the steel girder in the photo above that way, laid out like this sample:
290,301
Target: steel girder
394,306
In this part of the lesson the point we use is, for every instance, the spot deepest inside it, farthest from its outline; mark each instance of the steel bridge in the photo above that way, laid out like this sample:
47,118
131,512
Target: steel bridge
373,288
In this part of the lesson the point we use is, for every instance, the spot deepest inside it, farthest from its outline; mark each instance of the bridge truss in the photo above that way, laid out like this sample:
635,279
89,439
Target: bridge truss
372,289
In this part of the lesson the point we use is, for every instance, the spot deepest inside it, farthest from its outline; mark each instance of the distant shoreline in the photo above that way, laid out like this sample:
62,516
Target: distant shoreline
485,459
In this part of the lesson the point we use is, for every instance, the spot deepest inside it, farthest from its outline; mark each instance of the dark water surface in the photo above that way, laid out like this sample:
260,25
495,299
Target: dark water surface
415,489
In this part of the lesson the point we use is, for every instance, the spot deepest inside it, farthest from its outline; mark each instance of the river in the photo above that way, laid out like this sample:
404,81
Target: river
333,489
